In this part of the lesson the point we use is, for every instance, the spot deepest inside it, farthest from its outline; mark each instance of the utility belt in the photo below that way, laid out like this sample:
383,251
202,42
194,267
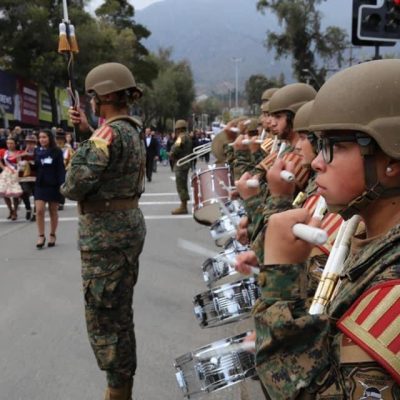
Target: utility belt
85,207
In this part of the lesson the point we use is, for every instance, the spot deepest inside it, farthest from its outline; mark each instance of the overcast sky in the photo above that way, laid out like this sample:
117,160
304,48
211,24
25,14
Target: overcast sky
138,4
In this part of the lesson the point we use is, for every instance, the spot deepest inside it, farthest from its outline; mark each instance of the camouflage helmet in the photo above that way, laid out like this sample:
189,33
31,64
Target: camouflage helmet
363,98
109,78
181,124
301,120
291,97
267,94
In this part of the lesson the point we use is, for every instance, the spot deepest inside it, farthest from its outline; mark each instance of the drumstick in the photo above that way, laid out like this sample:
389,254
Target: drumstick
234,347
263,133
227,188
195,248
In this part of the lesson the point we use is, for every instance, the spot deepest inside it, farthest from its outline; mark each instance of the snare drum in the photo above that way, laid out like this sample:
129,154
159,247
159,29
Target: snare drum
209,186
217,267
227,303
224,228
215,366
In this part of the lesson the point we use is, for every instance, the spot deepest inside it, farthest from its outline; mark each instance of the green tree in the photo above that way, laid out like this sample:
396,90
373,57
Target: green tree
29,34
119,14
211,106
171,94
256,85
302,37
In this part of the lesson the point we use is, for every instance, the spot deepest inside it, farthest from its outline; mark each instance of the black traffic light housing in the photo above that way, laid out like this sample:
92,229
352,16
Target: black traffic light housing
376,22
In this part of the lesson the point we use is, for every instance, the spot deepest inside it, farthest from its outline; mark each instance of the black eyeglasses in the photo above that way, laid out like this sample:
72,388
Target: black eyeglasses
325,143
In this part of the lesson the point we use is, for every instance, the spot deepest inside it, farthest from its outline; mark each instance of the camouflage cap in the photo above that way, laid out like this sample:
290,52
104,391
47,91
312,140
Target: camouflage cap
181,124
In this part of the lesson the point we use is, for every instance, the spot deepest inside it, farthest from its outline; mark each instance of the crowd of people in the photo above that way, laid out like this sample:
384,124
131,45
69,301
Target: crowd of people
33,164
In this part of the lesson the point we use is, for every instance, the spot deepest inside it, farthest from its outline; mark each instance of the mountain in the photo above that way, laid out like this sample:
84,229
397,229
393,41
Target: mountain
209,33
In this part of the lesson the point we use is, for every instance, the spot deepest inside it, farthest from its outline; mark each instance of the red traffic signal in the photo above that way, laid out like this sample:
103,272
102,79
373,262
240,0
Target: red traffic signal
396,2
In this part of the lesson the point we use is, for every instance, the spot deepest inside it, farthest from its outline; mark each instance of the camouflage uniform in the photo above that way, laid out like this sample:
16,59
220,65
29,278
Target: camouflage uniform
107,171
300,356
181,148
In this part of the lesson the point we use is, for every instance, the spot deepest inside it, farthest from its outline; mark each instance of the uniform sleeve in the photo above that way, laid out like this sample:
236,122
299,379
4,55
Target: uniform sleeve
295,350
86,169
242,163
292,346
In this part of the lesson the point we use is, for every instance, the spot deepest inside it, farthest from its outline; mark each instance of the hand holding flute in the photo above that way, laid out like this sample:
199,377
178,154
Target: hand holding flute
282,246
247,190
280,177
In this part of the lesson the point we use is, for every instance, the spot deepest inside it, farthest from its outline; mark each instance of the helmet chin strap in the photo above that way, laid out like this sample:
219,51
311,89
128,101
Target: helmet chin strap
374,190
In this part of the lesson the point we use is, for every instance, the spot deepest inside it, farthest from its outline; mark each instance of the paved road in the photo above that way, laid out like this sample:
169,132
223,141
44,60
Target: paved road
45,354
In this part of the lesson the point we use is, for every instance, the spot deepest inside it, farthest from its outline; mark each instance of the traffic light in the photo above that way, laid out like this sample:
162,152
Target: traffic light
376,22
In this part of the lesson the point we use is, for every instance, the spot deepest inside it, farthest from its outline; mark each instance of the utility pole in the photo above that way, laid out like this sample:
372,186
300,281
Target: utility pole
237,60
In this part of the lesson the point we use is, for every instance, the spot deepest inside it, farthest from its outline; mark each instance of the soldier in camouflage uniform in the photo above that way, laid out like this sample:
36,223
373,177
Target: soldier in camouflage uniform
351,350
106,178
181,148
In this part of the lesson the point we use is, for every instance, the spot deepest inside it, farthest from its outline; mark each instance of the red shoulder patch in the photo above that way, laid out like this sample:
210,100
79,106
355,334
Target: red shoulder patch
105,133
373,322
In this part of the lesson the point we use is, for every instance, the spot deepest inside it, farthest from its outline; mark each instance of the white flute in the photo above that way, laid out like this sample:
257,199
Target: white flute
282,148
252,183
334,265
310,234
248,141
287,176
275,144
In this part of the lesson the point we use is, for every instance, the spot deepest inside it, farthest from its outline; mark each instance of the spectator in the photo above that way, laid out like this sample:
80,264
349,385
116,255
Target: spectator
50,175
151,145
27,175
10,189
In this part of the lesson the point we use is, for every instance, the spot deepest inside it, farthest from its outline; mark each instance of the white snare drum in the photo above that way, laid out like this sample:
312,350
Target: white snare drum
236,246
227,303
217,267
215,366
209,187
224,228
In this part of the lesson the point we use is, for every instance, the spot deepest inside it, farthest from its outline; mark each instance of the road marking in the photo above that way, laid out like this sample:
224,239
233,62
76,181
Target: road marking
141,203
160,194
72,219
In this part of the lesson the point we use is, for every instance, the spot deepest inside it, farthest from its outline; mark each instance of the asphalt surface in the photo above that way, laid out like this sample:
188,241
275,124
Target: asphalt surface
45,353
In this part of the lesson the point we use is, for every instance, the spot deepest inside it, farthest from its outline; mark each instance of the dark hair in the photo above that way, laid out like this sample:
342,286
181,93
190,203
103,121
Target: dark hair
49,134
289,119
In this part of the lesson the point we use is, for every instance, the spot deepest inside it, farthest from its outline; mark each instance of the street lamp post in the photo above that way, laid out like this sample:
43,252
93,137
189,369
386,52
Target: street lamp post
237,60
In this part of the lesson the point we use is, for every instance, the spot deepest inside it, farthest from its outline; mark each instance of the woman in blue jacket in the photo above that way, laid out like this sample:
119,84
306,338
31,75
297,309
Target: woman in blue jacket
50,175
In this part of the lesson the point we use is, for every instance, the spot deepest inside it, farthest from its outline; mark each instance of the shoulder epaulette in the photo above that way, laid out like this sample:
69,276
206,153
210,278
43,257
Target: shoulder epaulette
373,323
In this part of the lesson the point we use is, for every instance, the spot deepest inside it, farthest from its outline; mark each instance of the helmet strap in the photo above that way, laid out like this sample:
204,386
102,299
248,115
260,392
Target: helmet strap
374,190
